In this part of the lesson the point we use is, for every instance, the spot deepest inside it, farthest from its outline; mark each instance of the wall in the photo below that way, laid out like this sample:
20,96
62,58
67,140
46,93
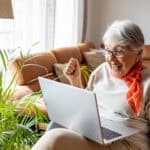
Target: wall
102,12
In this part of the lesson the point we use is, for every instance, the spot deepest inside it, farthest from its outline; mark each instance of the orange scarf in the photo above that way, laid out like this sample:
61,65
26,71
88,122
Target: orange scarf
134,94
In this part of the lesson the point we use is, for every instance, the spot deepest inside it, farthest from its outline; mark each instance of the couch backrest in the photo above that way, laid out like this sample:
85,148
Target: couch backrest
84,47
42,64
32,66
146,52
64,54
146,56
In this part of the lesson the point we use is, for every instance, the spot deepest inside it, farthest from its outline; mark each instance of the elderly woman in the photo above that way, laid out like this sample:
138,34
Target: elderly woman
121,80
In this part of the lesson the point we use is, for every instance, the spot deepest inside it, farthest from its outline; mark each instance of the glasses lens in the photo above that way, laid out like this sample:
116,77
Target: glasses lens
118,53
115,52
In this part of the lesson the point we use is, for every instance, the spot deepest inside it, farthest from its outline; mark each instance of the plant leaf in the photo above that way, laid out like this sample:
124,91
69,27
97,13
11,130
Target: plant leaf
3,58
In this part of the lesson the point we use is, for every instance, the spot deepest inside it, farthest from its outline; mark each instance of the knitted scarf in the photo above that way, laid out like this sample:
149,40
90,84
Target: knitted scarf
134,94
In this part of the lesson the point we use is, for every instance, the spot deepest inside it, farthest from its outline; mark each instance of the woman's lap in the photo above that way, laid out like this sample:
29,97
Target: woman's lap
63,139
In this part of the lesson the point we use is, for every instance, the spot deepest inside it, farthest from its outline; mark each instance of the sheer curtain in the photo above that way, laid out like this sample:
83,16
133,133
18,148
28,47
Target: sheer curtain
69,22
29,24
33,23
50,23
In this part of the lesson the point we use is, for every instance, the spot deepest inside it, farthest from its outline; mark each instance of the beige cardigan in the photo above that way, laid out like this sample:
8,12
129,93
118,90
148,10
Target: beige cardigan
111,95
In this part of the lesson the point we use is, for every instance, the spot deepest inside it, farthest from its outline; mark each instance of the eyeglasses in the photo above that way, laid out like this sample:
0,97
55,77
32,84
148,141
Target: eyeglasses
116,52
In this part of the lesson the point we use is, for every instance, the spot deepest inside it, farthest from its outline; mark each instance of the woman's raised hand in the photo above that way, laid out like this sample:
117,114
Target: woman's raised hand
73,73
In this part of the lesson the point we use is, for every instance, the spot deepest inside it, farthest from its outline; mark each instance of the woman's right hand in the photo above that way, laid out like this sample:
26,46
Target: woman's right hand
73,73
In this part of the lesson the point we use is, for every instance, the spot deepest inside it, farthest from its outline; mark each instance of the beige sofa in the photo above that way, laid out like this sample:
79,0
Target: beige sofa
146,56
42,64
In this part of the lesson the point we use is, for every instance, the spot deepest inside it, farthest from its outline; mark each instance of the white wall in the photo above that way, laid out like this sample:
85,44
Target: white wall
102,13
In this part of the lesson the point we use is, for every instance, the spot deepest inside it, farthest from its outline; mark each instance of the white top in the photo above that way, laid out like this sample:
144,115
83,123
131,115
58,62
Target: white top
111,96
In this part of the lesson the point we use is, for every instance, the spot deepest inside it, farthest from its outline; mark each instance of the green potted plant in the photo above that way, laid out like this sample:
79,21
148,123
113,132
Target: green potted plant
18,129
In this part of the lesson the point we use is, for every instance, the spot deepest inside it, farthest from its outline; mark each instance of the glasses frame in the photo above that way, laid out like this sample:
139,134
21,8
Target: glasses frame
108,53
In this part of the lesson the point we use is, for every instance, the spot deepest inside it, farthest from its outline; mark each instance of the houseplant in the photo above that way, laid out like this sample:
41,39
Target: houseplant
18,129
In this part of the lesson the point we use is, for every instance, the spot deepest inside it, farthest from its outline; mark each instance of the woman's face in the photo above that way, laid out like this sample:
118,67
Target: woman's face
121,63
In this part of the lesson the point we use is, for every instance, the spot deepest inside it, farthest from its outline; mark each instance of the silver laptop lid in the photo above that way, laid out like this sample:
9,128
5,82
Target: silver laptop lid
72,107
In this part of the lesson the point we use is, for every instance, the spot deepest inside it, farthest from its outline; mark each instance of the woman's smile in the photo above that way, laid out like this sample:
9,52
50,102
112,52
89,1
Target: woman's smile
116,67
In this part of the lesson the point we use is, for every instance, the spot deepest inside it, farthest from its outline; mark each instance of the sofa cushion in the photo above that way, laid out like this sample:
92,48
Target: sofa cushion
94,58
146,63
59,72
84,47
45,59
32,86
64,54
146,52
33,66
32,71
48,75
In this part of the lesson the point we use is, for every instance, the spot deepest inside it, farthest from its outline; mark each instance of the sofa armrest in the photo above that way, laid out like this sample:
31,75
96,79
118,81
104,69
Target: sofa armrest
32,66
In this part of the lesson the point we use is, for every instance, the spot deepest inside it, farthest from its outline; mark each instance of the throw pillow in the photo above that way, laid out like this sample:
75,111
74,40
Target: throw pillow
59,72
48,75
94,58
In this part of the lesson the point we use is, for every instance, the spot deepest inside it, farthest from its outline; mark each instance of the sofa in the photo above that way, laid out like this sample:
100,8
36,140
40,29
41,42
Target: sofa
30,67
43,64
146,56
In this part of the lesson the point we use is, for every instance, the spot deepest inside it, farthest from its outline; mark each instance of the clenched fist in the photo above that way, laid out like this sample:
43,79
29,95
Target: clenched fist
73,73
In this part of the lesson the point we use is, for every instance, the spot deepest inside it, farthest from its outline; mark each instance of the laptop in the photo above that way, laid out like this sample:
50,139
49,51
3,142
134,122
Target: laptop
77,109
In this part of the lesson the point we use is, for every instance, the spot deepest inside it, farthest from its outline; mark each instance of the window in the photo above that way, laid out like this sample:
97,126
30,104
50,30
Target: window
27,27
6,34
50,23
68,22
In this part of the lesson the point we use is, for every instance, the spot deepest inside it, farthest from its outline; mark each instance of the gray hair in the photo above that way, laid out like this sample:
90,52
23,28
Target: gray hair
124,32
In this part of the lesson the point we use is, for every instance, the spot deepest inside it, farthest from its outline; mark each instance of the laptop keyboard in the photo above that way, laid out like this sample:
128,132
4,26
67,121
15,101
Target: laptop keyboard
109,134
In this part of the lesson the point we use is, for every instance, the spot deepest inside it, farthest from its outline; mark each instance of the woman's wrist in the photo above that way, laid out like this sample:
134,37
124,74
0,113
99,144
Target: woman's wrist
77,83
